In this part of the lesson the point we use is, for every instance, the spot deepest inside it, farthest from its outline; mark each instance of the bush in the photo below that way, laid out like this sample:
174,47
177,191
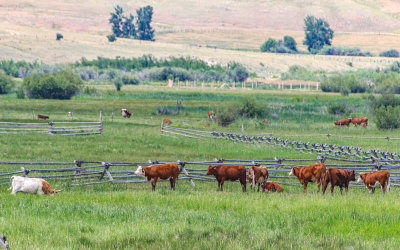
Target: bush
338,109
251,109
61,85
290,43
90,91
343,51
226,115
20,94
118,84
269,45
383,100
390,53
297,72
111,38
59,36
388,117
6,83
344,84
130,80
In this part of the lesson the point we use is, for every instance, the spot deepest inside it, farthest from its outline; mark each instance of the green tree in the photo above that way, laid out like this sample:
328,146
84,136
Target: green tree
290,43
318,33
6,83
128,28
144,29
116,21
269,45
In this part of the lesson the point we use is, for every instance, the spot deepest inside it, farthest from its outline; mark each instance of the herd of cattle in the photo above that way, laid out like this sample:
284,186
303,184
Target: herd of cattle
356,121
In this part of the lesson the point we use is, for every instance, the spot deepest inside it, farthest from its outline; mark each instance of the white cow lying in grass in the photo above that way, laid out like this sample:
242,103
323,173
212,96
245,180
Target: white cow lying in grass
31,185
4,242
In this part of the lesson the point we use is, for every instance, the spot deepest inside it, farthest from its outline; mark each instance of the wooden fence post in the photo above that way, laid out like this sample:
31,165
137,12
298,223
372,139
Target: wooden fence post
105,171
101,122
51,128
182,169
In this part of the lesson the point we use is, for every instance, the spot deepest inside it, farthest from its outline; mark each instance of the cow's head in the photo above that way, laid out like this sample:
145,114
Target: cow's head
4,242
211,170
140,171
293,171
352,175
336,123
361,178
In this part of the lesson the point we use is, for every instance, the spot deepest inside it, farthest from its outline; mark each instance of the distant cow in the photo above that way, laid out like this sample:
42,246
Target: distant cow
373,180
266,122
42,117
163,171
211,116
273,187
166,121
31,185
207,125
69,114
308,174
4,242
343,122
338,177
126,113
228,173
257,175
360,121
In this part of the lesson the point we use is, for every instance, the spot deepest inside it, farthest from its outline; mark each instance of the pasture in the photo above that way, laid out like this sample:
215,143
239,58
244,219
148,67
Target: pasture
131,216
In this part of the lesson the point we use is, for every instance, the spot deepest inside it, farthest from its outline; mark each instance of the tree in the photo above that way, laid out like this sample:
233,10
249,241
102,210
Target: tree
144,29
269,45
6,83
390,53
59,36
128,28
290,43
116,21
318,33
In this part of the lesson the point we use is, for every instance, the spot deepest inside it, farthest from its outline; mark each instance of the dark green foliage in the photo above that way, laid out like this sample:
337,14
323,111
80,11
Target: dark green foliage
62,85
226,115
390,53
343,51
20,93
383,100
317,33
290,43
130,80
388,117
286,46
112,38
269,45
240,74
388,84
118,84
344,84
249,108
338,109
122,26
6,83
59,36
18,69
144,29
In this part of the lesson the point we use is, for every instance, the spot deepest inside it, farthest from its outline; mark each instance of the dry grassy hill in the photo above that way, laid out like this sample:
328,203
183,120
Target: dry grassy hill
214,30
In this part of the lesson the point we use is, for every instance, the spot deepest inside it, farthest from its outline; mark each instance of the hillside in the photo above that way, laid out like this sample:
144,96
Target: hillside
213,30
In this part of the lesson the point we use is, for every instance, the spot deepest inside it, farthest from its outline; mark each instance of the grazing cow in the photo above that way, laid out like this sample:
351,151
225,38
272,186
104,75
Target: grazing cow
207,125
31,185
228,173
126,113
69,114
360,121
338,177
166,121
42,117
343,122
273,187
163,171
371,180
211,116
4,242
266,122
310,173
257,175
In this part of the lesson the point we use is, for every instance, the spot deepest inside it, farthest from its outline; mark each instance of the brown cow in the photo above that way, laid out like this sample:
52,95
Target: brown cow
360,121
310,173
207,125
338,177
163,172
228,173
273,187
126,113
257,175
371,180
211,116
42,117
166,121
343,122
266,122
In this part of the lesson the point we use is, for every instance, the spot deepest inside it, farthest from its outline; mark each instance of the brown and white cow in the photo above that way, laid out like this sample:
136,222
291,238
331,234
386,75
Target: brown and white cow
4,242
211,116
126,113
360,121
257,175
166,121
228,173
310,173
42,117
69,114
338,177
375,179
343,122
31,185
162,171
273,187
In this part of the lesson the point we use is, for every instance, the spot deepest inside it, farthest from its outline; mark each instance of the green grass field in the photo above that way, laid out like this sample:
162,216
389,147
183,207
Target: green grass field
131,216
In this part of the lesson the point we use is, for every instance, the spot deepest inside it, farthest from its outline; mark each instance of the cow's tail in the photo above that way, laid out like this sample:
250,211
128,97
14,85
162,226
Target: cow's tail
388,185
254,179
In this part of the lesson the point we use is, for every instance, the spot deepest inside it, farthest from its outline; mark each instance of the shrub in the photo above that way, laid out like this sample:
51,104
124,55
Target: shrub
20,93
118,84
269,45
390,53
130,80
388,117
343,51
90,91
344,84
251,109
226,115
297,72
59,36
6,83
111,38
383,100
61,85
290,43
338,109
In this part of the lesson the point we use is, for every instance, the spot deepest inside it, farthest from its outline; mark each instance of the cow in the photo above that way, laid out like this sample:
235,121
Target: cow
166,121
228,173
360,121
4,242
273,187
338,177
42,117
310,173
211,116
257,175
343,122
371,180
31,185
126,113
207,125
162,171
69,114
265,122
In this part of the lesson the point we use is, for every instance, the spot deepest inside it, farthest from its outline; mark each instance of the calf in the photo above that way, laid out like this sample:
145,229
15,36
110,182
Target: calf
310,173
126,113
207,125
163,171
228,173
273,187
4,242
266,122
371,180
343,122
338,177
257,175
42,117
31,185
166,121
360,121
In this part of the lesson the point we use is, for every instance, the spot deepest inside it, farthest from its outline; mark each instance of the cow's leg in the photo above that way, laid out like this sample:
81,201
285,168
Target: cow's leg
332,186
154,183
243,182
383,185
324,186
219,185
305,186
258,188
171,180
222,184
341,189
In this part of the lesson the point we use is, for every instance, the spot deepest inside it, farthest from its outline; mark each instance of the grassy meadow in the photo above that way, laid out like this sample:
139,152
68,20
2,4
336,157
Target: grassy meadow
131,216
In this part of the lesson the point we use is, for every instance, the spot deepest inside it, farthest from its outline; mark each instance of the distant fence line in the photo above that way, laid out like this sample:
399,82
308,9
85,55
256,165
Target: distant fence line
82,173
54,128
322,149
